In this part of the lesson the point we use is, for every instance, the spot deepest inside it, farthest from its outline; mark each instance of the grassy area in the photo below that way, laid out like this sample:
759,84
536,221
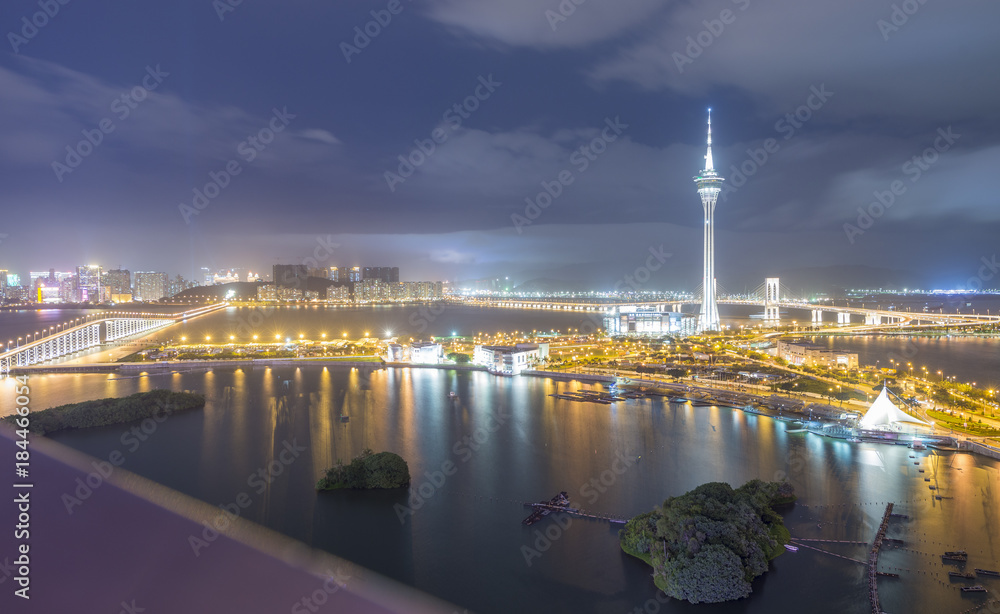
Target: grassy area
956,423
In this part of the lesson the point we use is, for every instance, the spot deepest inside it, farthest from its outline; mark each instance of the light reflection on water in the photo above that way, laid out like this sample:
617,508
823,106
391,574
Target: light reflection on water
464,541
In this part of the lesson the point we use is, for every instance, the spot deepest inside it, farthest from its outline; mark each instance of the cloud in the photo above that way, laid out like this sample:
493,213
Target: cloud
48,107
319,135
547,24
773,51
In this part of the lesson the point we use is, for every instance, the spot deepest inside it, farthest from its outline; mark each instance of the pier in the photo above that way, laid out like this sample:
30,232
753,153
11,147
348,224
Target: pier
873,573
560,503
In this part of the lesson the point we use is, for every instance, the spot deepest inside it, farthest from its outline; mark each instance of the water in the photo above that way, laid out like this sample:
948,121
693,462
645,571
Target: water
464,541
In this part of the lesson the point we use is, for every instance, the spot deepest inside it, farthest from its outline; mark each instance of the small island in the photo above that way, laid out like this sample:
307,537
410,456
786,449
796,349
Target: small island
368,470
110,411
708,545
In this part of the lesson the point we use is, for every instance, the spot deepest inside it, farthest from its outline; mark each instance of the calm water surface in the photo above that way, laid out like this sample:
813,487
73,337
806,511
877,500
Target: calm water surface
464,541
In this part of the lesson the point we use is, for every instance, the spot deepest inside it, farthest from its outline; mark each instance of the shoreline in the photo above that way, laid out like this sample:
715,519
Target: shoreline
132,369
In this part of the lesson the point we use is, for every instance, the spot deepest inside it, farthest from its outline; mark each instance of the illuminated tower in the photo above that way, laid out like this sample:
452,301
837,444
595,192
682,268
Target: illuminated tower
709,185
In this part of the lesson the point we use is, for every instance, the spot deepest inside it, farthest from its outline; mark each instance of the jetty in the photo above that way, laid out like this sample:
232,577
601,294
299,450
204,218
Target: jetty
560,503
873,573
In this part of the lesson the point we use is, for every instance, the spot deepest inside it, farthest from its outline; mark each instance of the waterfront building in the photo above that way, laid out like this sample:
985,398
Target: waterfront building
883,415
510,360
709,186
426,353
267,292
338,294
289,294
803,353
151,285
642,320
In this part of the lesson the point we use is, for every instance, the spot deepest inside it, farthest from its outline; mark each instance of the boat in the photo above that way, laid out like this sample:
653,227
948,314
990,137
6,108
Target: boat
987,572
452,395
853,440
956,553
973,589
918,445
959,574
791,548
961,558
932,487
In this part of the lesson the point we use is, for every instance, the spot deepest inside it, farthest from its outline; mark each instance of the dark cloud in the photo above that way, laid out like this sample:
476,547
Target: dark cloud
888,93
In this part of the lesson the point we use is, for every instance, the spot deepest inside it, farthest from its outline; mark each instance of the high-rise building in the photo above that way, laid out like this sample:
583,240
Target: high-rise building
119,282
290,275
150,286
3,284
88,283
388,274
709,186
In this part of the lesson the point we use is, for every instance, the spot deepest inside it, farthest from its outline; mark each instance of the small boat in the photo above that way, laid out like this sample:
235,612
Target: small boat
345,418
932,487
973,589
791,548
987,572
853,440
960,575
452,395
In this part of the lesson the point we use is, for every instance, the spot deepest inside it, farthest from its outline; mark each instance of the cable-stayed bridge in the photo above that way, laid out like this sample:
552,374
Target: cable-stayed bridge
93,331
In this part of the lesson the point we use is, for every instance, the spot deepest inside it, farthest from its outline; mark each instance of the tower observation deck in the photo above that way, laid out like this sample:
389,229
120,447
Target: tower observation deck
709,186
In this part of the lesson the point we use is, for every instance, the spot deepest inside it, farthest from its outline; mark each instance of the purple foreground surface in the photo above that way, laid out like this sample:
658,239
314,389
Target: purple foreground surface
126,549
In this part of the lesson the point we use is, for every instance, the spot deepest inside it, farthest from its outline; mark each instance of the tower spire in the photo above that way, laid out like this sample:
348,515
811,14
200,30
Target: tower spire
709,186
709,165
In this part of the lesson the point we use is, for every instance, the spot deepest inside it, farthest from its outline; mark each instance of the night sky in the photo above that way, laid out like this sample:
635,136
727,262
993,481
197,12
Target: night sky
179,87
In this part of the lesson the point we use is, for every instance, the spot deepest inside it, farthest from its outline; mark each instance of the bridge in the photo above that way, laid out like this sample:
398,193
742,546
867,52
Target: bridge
872,318
94,331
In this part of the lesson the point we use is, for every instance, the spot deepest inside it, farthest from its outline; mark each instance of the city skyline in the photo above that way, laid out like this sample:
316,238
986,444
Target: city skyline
316,154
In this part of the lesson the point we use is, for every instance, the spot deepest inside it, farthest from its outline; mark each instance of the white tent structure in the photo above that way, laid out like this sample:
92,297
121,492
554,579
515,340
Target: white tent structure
884,415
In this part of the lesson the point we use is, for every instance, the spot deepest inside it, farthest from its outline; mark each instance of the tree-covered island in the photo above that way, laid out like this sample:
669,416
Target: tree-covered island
155,404
708,545
367,470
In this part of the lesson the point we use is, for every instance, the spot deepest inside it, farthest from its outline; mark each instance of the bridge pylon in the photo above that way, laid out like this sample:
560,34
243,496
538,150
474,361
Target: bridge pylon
771,298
